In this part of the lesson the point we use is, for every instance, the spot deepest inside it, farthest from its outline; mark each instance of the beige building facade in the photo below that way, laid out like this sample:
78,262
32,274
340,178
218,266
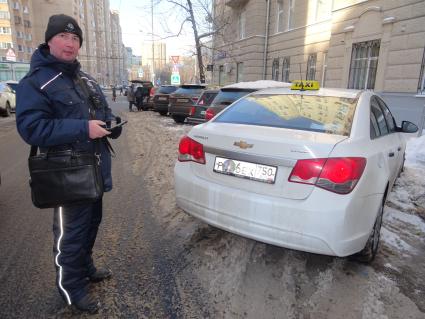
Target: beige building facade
102,55
375,44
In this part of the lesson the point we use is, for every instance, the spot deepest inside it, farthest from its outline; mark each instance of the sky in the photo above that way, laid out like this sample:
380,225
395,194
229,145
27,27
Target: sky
135,20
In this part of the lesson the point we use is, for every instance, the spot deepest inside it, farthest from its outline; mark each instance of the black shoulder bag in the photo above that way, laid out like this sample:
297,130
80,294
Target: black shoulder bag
65,177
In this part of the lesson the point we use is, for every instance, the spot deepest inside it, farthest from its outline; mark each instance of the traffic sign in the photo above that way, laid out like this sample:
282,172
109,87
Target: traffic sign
175,78
175,59
10,55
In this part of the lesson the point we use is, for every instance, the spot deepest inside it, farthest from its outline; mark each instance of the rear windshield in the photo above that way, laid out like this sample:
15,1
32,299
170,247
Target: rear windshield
327,114
166,89
228,97
186,90
206,98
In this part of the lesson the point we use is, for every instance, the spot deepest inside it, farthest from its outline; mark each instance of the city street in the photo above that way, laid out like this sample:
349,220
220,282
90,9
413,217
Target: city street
167,264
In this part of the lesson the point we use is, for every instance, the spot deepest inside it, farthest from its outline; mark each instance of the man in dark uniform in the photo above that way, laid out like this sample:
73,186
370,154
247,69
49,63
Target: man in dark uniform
59,106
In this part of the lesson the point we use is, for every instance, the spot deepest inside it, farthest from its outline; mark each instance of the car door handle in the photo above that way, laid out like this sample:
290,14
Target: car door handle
391,154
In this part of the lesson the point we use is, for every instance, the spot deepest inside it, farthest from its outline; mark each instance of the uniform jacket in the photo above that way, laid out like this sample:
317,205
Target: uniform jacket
52,110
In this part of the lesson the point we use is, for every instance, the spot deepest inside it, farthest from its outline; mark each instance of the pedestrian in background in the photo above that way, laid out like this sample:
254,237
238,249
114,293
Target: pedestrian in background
58,107
131,97
114,93
121,90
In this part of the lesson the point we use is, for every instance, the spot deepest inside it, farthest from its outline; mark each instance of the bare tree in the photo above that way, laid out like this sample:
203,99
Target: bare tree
198,15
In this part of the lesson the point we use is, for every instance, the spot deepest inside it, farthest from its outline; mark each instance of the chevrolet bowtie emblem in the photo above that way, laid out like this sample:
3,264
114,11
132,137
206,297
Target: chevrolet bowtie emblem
243,145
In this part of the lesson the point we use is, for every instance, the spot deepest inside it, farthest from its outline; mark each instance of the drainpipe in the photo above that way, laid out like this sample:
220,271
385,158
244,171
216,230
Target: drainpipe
266,41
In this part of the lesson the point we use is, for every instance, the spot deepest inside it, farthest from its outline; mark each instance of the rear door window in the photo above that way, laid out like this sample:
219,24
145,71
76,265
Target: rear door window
379,116
327,114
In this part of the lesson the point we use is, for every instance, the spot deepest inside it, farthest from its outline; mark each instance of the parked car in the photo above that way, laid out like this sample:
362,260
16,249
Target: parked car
182,100
7,97
161,98
304,169
197,112
230,93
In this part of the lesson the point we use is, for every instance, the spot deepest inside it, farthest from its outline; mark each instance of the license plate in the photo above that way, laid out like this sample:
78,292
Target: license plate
256,172
162,98
182,100
203,112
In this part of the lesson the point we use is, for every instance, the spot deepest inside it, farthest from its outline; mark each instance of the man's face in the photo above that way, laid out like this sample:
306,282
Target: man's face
64,46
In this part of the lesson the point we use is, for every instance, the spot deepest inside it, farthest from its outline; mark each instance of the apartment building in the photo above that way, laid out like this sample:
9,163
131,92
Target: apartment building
101,54
375,44
154,53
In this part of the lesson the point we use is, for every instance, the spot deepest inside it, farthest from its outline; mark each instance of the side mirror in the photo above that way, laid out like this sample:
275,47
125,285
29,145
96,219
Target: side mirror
408,127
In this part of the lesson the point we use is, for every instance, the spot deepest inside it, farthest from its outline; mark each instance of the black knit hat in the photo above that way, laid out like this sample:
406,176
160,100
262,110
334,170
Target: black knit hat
62,23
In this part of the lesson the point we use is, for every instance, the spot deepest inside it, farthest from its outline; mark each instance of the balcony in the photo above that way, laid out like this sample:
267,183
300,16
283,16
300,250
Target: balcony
236,3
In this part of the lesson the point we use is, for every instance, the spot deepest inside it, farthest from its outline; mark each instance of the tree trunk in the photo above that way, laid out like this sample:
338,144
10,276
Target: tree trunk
197,43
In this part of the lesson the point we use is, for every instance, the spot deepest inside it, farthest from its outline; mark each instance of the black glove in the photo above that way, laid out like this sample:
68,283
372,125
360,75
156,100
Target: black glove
116,132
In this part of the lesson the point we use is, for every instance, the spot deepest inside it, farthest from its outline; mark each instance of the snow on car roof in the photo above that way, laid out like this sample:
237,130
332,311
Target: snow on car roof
260,84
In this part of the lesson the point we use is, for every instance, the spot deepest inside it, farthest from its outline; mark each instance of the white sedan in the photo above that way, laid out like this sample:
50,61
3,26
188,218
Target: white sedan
307,170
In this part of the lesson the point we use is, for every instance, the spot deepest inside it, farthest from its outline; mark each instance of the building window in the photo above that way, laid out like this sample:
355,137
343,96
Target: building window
28,37
3,1
275,70
325,67
5,30
4,15
27,24
29,50
291,9
311,67
285,69
16,5
421,83
239,72
242,24
20,48
280,27
364,63
18,20
5,45
323,10
25,9
19,34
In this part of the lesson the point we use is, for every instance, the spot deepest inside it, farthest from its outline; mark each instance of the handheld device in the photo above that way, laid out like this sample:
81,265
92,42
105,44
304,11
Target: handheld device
116,125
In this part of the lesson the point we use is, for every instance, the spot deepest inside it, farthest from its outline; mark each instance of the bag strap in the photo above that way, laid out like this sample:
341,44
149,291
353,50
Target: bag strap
92,112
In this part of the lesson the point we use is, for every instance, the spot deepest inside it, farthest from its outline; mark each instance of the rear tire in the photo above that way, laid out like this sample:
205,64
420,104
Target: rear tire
7,110
163,113
178,119
368,253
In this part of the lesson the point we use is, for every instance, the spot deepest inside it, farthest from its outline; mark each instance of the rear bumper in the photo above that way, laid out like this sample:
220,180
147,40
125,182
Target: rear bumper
195,120
297,224
161,107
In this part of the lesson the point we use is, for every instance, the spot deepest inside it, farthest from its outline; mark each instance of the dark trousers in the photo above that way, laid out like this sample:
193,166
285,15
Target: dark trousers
75,230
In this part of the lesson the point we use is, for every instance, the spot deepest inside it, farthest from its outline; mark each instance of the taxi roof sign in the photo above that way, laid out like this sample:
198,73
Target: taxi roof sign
305,85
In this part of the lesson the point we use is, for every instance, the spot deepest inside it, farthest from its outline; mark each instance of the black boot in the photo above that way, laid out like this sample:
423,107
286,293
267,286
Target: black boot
87,304
100,274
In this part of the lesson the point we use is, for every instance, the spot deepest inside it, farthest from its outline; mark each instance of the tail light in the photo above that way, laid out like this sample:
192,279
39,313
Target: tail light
152,92
190,150
192,110
339,175
209,114
195,99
